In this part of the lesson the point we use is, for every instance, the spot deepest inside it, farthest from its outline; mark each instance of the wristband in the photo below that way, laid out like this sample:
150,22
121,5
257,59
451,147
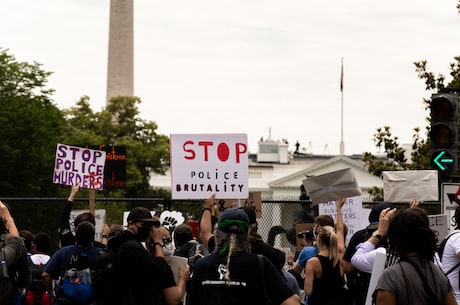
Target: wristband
207,209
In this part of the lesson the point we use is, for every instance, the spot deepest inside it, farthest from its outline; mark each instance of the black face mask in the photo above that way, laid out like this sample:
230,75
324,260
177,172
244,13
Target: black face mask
142,233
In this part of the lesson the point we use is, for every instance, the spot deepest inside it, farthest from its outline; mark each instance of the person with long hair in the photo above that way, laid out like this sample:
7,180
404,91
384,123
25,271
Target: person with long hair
324,273
232,274
415,278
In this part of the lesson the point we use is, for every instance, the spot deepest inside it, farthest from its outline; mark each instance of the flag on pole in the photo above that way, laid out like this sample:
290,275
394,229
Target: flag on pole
341,78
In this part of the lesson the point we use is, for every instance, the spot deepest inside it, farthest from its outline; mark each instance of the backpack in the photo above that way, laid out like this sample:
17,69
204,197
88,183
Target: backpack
77,284
440,251
197,251
442,245
106,283
35,294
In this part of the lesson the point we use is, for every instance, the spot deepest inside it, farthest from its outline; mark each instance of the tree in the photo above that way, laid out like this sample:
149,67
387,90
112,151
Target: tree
420,155
119,124
31,127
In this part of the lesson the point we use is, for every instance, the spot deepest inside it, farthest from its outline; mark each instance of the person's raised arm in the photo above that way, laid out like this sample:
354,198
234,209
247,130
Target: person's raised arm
10,225
64,224
206,220
340,228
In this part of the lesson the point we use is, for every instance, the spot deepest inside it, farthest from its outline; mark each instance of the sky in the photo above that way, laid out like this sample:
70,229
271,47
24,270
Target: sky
259,67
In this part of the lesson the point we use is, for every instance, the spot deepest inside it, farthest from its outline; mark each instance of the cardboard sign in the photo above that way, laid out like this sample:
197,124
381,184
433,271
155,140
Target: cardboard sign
206,164
75,165
408,185
332,186
254,200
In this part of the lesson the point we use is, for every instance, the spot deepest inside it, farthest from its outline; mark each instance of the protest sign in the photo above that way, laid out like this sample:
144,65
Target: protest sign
354,215
75,165
115,166
99,217
410,184
439,223
206,164
332,186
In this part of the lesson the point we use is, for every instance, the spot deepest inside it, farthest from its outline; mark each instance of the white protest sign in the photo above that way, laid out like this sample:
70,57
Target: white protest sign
206,164
99,216
354,215
439,224
75,165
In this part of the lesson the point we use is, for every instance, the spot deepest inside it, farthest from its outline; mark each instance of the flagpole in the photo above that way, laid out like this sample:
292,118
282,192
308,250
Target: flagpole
342,144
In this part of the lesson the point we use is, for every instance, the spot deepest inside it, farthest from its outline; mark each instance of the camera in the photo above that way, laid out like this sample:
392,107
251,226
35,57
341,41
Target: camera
3,229
307,234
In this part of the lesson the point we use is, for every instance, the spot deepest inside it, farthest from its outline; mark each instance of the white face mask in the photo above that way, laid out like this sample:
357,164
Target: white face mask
168,249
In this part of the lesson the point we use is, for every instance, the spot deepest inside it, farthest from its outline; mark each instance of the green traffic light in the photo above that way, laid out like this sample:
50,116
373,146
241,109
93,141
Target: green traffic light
442,158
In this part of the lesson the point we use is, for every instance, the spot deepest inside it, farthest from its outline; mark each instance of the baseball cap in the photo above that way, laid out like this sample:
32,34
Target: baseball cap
377,209
141,214
234,221
251,214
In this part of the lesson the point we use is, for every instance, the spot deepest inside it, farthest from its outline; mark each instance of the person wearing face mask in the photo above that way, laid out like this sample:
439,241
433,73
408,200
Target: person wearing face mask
143,275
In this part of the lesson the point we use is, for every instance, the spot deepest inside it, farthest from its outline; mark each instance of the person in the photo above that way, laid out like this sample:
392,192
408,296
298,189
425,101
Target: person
143,274
364,257
233,275
451,257
36,292
71,263
28,237
66,236
323,273
309,250
12,250
415,279
183,240
358,280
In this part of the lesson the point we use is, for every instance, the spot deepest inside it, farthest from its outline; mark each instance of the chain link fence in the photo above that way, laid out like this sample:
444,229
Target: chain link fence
277,224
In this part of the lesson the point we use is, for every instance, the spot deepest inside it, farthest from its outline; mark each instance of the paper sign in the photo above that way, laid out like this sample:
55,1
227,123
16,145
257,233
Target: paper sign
206,164
408,185
332,186
75,165
354,215
99,216
439,224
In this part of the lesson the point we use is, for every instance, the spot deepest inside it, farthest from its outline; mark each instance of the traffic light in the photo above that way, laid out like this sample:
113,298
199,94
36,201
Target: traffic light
444,132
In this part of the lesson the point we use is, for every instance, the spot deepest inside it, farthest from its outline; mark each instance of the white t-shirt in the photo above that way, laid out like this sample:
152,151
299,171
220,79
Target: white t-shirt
450,259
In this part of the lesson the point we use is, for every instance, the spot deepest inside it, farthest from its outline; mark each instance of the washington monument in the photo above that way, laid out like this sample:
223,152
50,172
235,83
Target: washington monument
120,67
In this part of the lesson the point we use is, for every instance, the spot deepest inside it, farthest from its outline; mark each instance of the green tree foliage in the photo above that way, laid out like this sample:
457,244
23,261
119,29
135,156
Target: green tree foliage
31,127
119,124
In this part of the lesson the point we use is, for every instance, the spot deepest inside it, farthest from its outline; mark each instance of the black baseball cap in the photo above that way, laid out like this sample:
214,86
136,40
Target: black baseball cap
141,214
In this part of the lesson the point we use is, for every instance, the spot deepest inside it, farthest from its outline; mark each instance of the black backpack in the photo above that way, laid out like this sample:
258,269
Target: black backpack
107,287
36,289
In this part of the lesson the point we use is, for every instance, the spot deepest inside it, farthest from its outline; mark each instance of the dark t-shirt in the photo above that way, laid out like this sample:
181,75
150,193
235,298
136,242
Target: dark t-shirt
208,286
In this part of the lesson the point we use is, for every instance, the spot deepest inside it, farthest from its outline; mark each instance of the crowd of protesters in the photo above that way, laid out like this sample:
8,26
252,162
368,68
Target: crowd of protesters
229,262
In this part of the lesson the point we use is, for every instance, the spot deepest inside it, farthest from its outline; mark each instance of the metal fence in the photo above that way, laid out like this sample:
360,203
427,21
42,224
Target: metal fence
277,223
